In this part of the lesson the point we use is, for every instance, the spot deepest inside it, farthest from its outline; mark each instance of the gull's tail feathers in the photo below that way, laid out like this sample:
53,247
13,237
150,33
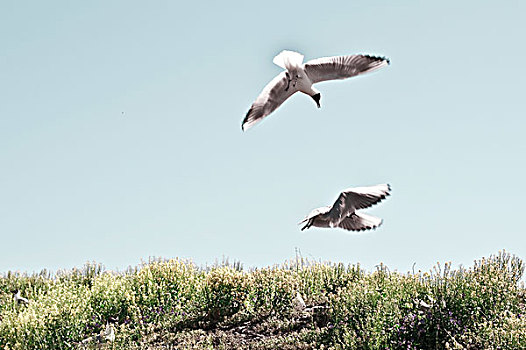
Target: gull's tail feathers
288,59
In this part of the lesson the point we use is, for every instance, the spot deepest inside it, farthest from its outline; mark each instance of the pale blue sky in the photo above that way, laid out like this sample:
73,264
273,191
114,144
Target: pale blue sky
120,132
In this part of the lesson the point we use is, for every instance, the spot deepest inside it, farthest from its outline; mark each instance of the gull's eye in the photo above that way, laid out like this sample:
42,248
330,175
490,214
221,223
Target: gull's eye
297,76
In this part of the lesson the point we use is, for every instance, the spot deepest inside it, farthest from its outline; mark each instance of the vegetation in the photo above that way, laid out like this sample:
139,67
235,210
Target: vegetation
175,305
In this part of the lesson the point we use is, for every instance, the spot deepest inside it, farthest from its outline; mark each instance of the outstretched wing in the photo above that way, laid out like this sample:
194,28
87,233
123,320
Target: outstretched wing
342,67
272,96
356,198
360,222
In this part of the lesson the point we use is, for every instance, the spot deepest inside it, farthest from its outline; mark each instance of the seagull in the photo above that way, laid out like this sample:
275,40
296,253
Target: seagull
19,298
299,76
109,333
343,212
299,303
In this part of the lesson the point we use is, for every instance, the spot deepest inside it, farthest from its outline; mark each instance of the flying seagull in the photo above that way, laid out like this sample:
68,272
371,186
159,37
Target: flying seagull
343,212
299,76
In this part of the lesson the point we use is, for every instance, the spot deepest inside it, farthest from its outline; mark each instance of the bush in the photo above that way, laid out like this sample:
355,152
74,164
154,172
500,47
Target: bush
174,303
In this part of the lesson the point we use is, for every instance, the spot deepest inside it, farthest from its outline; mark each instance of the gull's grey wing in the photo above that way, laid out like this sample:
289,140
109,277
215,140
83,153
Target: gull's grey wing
356,198
360,222
272,96
342,67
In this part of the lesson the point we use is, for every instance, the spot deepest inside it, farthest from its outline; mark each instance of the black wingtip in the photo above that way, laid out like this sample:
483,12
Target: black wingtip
384,59
379,58
245,119
244,123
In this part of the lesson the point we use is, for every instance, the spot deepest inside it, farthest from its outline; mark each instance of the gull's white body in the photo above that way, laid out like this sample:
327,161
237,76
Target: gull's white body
293,63
343,213
299,76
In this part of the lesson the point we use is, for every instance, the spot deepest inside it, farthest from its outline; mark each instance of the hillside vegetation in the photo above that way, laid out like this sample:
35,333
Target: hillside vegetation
176,305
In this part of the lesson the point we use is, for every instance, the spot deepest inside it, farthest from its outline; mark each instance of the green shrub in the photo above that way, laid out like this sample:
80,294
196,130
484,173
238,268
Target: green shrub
174,303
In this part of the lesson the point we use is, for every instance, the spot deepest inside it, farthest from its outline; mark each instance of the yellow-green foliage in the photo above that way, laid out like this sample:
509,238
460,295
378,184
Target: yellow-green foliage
176,303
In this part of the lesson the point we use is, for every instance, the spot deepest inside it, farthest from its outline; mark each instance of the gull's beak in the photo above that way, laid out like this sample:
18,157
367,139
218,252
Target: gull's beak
303,222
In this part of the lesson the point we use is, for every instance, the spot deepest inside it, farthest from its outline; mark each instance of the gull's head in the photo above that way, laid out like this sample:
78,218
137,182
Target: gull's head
317,98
